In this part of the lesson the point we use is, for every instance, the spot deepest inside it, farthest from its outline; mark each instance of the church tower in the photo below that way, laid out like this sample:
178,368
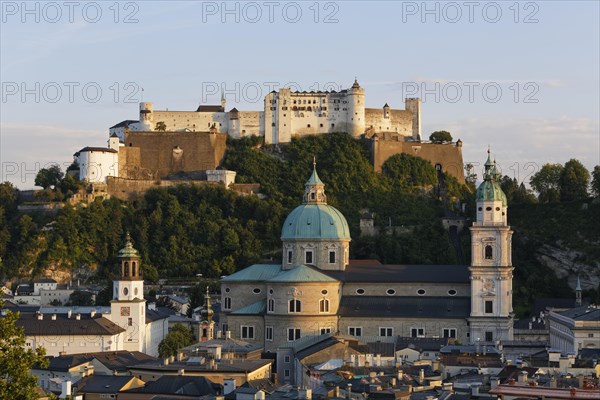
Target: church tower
207,325
128,304
491,263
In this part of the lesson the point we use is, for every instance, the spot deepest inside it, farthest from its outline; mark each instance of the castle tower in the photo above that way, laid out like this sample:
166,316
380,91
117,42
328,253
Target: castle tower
414,105
491,263
113,142
146,117
223,102
207,325
315,233
356,110
128,304
386,111
578,293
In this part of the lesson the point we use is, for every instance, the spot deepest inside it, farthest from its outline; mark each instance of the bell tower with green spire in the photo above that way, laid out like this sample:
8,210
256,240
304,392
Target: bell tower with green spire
491,262
128,307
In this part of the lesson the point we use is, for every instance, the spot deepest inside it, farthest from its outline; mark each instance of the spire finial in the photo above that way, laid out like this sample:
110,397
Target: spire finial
314,162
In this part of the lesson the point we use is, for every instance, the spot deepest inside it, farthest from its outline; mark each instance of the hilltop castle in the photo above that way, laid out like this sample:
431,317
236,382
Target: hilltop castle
286,114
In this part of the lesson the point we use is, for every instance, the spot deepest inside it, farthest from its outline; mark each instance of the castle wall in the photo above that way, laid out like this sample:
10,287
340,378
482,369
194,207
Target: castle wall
251,123
163,153
448,155
399,121
130,189
191,120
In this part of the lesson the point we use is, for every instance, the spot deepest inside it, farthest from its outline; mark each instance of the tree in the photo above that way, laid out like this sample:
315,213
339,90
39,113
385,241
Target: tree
48,177
16,362
471,176
596,181
81,298
574,181
440,137
547,183
178,337
161,126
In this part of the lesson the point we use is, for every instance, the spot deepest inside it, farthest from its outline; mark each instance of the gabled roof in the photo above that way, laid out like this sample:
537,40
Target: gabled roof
156,315
256,272
371,272
257,308
178,385
584,313
127,122
210,108
104,383
302,273
63,325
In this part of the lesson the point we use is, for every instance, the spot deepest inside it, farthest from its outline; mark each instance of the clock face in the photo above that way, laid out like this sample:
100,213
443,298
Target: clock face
125,311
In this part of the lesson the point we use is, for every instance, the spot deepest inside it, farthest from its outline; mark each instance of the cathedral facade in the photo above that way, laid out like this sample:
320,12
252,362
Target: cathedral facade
317,289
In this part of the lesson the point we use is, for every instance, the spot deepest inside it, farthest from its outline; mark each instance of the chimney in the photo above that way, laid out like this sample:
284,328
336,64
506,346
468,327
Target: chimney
180,356
336,392
400,375
93,313
421,376
553,382
228,335
393,382
77,316
166,361
39,315
228,386
523,377
69,313
65,389
349,391
474,391
53,317
181,372
172,359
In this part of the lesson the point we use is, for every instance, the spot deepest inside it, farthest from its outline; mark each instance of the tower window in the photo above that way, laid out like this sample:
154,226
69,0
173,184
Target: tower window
269,333
488,252
227,303
294,306
289,257
126,268
324,306
331,257
308,257
271,305
489,336
133,269
489,306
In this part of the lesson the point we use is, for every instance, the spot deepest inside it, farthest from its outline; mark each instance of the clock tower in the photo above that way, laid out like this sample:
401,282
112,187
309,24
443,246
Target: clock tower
491,263
128,305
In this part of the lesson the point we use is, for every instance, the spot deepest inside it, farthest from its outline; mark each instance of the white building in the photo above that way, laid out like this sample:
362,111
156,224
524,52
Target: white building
286,115
575,329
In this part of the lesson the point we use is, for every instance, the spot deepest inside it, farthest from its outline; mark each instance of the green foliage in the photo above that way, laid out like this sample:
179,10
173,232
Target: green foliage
516,193
104,297
440,137
49,177
81,298
574,181
178,337
547,183
160,126
16,362
596,181
410,172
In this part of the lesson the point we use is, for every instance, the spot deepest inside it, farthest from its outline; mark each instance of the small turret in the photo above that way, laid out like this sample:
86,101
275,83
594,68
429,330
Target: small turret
223,100
386,111
314,192
207,312
207,325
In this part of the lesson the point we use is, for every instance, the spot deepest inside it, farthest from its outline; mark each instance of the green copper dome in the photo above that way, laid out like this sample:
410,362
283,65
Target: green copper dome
490,189
128,250
314,219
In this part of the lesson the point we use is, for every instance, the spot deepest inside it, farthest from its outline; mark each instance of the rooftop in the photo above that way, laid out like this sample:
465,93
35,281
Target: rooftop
375,272
63,325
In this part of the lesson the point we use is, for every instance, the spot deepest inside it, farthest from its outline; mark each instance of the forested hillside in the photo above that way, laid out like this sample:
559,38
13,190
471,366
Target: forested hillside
187,230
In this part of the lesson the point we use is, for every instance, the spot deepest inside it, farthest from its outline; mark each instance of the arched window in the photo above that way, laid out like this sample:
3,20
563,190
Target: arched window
227,303
324,306
133,269
126,268
271,305
488,252
295,306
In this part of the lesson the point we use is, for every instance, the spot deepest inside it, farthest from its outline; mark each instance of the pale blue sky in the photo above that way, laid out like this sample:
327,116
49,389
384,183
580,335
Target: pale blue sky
176,50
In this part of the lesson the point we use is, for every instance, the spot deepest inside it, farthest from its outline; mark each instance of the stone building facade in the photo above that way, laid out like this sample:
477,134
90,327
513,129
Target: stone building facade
316,289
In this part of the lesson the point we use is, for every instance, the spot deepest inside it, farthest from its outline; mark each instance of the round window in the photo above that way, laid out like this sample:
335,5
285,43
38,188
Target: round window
324,291
452,292
227,290
360,291
256,290
391,292
421,292
488,209
270,291
497,208
125,291
480,208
